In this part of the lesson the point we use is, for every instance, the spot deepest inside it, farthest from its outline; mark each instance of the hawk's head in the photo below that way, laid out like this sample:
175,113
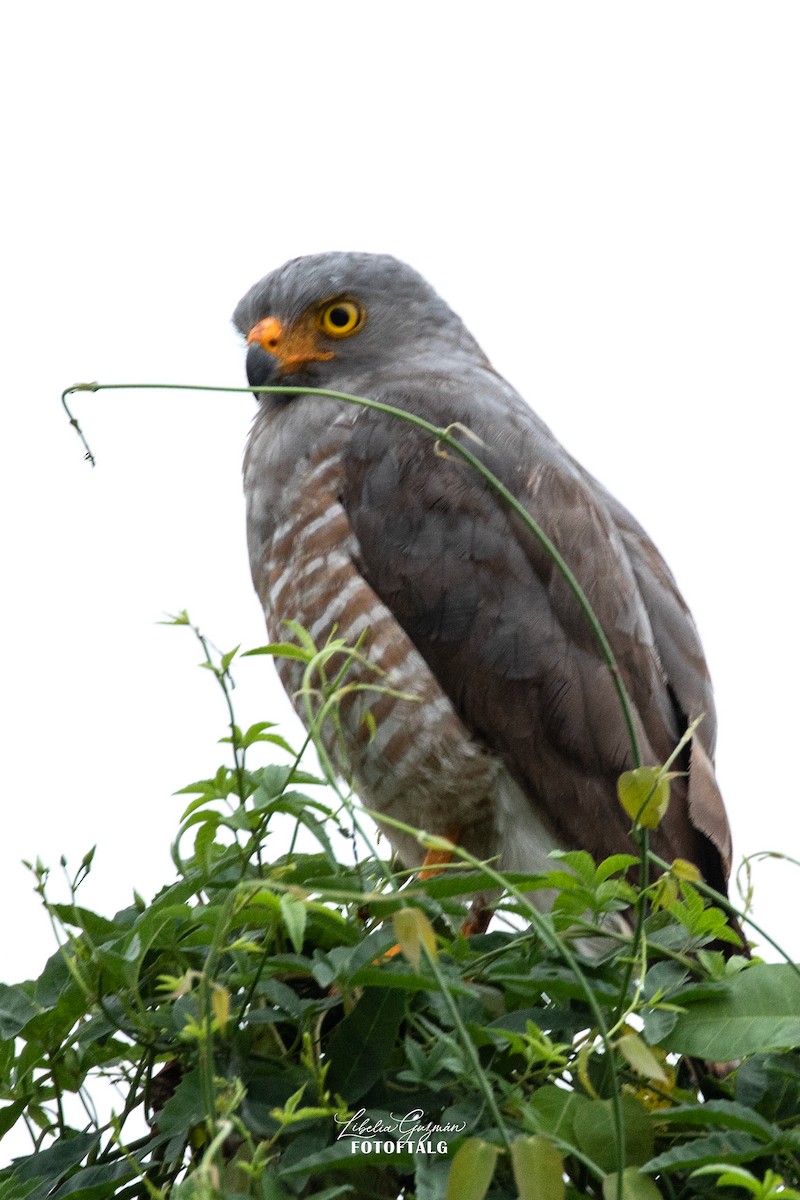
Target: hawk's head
318,314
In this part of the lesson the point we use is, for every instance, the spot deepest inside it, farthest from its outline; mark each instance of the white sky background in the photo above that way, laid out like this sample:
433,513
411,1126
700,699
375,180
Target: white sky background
607,193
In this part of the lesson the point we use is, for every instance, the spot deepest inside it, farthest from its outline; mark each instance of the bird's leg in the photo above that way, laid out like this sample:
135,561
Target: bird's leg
480,914
478,918
434,861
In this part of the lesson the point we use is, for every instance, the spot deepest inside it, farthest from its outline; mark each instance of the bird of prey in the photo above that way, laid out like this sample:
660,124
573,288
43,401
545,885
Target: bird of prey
496,722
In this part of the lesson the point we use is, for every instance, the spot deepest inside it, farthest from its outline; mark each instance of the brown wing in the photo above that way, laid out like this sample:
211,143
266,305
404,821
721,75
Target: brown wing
490,613
685,666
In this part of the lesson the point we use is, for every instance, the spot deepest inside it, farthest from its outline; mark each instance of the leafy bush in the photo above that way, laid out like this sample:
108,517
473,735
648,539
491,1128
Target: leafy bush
268,1040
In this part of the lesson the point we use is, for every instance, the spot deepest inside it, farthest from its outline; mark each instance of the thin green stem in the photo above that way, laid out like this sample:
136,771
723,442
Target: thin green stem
445,437
641,833
640,907
315,721
724,903
205,1054
469,1047
549,936
222,675
251,990
57,1094
79,387
134,1098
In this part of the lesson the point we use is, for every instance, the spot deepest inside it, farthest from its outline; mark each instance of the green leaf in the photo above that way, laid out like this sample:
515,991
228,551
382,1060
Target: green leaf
770,1082
727,1176
52,1163
635,1186
731,1146
184,1107
161,924
295,914
10,1114
340,1156
94,1182
644,794
538,1168
758,1011
271,1188
730,1176
664,979
331,1193
471,1170
98,928
725,1113
296,1033
60,998
16,1010
181,618
595,1133
392,976
13,1189
228,658
204,842
556,1109
617,863
280,650
257,733
702,920
282,996
298,806
430,1176
363,1043
580,862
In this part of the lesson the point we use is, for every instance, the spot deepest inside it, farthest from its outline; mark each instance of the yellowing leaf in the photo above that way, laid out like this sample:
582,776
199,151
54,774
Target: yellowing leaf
665,889
538,1168
432,841
644,794
682,869
221,1004
472,1170
638,1054
665,892
177,985
414,931
582,1064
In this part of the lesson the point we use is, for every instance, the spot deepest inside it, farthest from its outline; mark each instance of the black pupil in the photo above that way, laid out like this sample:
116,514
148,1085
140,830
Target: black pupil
339,316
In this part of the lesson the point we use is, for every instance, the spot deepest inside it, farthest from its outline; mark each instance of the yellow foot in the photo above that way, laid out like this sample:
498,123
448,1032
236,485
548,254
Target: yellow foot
431,865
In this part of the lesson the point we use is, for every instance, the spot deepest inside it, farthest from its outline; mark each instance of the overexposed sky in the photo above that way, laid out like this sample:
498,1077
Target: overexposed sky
607,193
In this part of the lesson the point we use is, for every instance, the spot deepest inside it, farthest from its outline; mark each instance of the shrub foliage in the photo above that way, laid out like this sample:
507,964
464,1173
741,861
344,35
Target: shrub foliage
313,1024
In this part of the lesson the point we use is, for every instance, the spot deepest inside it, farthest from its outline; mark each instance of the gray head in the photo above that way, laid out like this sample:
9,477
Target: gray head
317,315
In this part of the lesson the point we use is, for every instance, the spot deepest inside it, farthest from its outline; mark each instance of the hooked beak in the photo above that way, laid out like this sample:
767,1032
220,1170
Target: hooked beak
293,347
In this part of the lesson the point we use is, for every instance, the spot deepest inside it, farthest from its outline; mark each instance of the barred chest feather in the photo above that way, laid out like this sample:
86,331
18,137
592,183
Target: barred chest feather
398,738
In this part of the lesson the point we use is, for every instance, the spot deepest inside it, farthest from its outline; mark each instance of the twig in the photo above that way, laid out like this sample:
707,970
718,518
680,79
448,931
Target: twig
442,436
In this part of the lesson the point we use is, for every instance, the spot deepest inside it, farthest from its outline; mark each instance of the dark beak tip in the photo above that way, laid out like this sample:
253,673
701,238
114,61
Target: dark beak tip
262,367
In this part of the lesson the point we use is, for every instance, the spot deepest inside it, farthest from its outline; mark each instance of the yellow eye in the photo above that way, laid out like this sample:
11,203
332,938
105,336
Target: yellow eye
341,318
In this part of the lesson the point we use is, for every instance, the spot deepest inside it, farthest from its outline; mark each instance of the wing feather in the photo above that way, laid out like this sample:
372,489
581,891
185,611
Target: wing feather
495,620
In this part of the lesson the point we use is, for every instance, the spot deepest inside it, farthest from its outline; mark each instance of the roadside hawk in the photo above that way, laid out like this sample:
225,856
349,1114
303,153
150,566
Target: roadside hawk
357,522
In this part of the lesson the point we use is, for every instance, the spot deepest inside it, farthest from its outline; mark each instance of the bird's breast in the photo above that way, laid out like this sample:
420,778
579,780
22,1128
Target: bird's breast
390,728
